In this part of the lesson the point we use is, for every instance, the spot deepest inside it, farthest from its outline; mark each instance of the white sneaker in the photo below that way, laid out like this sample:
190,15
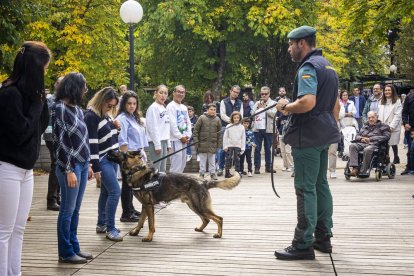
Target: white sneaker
161,205
333,175
289,169
189,156
284,169
249,174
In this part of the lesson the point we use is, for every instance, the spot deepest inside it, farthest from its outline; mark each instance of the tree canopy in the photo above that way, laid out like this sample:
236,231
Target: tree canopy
208,44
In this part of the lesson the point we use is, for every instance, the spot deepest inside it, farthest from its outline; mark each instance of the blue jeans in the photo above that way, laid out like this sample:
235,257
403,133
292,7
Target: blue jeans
220,154
68,219
109,196
259,136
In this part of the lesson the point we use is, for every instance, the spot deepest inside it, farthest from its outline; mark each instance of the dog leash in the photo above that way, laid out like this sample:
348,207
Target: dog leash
205,139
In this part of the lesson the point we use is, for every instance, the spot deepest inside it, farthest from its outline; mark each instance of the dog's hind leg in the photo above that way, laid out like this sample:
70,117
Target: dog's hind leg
204,219
142,218
218,220
151,223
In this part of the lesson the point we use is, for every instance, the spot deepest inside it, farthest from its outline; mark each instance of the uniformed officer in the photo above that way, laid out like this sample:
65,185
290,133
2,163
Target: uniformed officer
310,132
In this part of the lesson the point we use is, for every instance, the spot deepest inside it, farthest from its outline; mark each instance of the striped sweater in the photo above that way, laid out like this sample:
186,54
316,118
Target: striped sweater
103,136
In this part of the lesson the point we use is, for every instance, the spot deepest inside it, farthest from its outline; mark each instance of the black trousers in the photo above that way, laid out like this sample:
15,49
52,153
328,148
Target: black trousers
248,156
127,197
53,189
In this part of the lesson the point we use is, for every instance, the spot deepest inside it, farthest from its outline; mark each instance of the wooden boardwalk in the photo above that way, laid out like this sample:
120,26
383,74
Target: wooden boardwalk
373,233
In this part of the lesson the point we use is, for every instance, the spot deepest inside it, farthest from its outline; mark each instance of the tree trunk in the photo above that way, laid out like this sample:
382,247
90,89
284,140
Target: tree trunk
219,67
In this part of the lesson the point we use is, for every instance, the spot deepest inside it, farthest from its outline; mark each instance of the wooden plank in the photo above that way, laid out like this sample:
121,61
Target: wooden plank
373,233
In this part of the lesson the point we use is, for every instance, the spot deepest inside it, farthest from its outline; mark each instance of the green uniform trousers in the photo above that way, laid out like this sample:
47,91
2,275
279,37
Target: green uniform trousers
314,199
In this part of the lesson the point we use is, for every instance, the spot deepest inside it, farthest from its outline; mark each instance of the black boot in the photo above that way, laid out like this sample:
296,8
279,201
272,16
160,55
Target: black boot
324,245
396,160
294,253
228,175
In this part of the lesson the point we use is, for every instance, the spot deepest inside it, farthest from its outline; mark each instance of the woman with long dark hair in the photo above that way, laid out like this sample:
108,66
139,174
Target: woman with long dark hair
390,113
103,136
132,136
24,117
70,142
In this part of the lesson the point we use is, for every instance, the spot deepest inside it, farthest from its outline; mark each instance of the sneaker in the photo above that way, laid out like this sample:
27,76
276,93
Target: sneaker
201,175
294,253
323,245
213,176
268,170
284,169
130,218
289,169
189,157
219,172
249,174
333,175
114,235
100,229
160,205
256,171
75,259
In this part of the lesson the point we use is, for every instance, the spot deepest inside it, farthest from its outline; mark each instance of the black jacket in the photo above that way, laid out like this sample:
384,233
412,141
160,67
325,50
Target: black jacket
22,122
408,110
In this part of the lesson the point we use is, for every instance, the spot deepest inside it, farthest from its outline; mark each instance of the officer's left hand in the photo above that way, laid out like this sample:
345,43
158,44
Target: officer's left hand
280,104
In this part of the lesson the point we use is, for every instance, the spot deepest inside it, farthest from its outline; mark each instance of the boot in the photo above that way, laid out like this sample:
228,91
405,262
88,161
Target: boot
228,175
324,245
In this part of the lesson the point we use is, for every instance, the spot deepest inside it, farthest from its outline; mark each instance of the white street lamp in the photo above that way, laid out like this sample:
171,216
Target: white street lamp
131,13
393,70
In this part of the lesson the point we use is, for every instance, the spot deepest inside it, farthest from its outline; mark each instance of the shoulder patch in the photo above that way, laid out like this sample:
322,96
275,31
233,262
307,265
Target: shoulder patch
306,76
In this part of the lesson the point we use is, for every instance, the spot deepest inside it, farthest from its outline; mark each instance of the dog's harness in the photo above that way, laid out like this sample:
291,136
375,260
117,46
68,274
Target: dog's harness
150,185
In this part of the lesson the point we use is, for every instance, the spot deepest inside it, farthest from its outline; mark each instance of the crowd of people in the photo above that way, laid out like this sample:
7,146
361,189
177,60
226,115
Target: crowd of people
226,134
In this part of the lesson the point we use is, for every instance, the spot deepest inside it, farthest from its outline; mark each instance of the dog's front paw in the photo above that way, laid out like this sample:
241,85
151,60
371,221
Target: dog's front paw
217,236
133,232
146,239
198,229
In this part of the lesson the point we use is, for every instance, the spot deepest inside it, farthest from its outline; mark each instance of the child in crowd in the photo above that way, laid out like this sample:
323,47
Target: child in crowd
207,130
248,152
285,150
234,142
193,120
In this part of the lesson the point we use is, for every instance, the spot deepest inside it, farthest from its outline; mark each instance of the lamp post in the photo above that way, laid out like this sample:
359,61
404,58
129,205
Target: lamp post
393,70
131,13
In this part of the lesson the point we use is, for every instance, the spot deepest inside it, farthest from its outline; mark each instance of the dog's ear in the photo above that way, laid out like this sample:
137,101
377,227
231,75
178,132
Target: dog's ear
134,153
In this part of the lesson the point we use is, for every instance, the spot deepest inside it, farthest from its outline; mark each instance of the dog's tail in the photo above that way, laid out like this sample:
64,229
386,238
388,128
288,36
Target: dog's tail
226,184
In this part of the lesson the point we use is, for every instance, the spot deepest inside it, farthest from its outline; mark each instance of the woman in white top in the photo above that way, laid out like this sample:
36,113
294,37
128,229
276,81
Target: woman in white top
348,110
389,112
158,128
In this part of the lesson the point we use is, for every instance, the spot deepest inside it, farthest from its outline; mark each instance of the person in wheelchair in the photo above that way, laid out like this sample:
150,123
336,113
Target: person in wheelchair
368,139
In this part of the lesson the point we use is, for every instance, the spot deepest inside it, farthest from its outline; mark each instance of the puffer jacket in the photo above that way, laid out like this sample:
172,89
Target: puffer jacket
207,131
377,133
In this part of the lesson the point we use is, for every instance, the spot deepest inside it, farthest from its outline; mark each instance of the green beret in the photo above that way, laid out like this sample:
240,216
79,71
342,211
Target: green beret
301,32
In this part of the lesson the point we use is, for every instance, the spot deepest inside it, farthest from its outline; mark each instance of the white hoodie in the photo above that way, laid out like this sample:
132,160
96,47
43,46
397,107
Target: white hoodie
158,125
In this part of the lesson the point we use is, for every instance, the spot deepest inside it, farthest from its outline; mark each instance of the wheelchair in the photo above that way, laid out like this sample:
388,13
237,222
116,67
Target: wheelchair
380,163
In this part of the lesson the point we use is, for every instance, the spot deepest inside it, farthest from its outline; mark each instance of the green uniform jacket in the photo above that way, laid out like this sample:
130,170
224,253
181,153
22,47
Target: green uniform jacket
208,131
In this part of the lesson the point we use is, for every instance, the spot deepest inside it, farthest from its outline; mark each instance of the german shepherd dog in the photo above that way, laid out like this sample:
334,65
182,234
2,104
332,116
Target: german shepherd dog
171,186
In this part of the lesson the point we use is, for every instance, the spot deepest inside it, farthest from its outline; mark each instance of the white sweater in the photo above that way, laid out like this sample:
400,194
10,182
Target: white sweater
234,136
158,125
180,124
